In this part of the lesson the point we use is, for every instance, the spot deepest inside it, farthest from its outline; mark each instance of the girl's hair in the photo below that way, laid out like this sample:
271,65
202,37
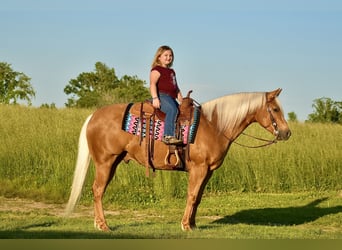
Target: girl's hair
159,52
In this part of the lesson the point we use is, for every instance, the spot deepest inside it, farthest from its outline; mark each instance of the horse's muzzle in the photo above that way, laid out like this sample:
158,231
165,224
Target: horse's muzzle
284,135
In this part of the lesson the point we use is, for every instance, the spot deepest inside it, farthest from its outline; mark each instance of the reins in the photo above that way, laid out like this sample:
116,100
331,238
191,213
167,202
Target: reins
269,142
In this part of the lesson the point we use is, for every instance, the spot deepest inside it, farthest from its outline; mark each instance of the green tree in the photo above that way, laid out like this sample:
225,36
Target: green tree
102,87
14,86
131,89
326,110
292,117
87,88
48,106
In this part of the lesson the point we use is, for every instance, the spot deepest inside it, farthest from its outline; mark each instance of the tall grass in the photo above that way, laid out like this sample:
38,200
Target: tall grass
309,161
38,151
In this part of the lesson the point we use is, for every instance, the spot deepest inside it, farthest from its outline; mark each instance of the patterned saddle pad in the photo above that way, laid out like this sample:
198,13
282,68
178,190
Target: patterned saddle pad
132,124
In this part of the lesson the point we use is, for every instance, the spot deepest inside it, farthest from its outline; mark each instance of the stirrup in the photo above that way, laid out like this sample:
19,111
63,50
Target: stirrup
168,156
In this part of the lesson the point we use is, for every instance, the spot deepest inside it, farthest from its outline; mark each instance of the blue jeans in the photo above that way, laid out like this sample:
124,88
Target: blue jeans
170,107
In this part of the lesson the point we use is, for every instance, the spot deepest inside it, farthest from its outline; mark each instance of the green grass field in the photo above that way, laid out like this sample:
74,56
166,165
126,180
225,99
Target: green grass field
257,193
39,146
225,216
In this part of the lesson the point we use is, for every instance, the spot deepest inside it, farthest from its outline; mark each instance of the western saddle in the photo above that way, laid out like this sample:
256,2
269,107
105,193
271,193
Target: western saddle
176,155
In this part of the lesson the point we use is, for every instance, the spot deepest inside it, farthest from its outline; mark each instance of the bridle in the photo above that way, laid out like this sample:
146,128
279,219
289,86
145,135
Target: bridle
274,123
268,142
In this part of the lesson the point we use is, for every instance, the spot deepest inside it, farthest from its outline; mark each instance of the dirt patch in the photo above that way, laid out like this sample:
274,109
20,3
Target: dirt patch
25,205
19,205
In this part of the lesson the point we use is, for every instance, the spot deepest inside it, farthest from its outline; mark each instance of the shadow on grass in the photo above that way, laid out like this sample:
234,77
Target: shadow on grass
45,230
280,216
44,233
18,234
21,234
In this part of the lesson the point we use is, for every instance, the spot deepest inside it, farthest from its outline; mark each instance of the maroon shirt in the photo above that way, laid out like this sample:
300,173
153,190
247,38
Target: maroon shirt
167,83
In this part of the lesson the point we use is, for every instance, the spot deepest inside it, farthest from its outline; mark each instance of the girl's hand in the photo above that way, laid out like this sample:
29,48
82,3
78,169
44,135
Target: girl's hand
156,103
180,98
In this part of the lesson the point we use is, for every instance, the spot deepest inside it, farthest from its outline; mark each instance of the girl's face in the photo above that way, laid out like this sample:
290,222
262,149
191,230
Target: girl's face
166,58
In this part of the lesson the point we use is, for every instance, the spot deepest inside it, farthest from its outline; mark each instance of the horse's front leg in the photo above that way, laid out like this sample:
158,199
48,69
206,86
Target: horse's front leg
198,178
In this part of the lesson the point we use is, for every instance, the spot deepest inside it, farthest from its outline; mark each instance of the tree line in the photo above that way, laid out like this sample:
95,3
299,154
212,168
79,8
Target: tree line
102,87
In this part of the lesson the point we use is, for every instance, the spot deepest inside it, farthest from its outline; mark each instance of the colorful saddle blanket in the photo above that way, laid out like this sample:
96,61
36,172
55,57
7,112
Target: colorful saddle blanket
187,129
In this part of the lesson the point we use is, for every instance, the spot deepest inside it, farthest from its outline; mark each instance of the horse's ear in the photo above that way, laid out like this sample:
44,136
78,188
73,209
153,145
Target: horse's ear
273,94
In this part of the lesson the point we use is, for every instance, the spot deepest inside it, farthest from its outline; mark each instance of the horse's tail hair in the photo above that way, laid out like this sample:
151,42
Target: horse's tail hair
81,169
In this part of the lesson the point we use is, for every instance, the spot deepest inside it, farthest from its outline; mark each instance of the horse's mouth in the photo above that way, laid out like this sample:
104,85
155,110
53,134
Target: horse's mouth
284,135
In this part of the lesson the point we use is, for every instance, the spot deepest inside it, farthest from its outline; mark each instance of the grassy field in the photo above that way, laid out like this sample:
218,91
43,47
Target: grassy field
257,193
225,216
39,146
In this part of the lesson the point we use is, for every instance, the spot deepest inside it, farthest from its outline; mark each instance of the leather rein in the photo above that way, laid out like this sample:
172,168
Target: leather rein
268,142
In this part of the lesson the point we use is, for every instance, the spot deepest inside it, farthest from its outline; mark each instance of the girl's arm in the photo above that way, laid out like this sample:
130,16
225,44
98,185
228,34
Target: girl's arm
154,77
179,97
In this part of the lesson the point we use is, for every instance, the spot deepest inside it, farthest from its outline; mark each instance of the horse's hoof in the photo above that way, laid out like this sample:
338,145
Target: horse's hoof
102,227
186,228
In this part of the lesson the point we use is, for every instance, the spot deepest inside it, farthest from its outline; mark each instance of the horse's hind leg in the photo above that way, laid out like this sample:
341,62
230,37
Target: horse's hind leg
103,175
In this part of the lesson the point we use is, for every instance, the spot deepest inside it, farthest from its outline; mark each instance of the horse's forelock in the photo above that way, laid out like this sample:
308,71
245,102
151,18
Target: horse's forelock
232,109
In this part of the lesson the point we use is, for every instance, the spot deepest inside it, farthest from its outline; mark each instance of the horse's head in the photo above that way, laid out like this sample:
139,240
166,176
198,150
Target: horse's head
272,118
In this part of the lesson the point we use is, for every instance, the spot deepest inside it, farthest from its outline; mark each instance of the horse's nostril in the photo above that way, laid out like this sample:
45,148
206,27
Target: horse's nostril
284,135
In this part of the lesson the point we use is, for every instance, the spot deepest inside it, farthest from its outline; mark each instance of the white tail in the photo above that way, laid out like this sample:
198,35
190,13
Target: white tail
81,169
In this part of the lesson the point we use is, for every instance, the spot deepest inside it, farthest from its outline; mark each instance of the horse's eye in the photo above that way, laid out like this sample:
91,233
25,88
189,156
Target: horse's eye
276,109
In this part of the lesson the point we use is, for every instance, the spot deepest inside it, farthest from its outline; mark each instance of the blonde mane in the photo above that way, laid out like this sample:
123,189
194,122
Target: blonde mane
232,109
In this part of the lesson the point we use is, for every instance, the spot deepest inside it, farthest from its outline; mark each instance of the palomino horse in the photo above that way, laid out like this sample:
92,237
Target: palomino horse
222,120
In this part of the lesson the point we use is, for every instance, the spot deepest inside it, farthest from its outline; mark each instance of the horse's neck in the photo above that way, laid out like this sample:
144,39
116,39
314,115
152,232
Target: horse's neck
231,133
232,114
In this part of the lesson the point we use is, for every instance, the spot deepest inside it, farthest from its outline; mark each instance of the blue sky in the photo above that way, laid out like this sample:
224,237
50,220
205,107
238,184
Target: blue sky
221,47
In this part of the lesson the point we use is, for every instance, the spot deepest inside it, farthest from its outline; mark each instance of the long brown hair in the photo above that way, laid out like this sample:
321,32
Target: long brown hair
160,51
